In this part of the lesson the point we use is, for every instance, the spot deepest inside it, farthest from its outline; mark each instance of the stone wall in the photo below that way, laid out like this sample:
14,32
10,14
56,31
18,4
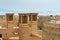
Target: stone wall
51,31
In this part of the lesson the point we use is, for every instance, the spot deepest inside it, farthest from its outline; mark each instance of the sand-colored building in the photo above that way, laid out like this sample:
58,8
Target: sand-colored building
56,17
51,31
24,28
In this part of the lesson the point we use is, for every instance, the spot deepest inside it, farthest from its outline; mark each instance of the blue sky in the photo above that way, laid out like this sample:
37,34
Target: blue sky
43,7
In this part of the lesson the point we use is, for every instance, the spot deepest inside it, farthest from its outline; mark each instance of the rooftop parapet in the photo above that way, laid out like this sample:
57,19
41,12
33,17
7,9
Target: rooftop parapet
26,17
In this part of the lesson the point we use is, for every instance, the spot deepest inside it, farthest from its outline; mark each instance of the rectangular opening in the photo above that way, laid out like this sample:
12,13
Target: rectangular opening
0,35
34,17
10,17
24,19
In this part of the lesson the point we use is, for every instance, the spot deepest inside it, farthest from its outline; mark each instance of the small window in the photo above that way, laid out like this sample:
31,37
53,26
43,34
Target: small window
24,19
0,35
34,17
10,17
